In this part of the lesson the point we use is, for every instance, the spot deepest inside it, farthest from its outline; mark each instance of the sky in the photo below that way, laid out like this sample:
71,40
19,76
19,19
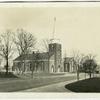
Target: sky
78,28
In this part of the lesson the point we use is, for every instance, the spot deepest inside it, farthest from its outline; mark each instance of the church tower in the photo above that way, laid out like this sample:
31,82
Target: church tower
55,49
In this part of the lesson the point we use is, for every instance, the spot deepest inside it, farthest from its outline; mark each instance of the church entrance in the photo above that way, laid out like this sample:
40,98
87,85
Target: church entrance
52,69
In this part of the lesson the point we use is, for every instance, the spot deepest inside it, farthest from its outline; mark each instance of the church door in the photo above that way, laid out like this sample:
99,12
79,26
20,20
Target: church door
52,69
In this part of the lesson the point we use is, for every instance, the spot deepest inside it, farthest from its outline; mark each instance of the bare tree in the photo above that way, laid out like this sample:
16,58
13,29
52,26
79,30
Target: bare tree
25,42
36,62
45,47
78,58
6,45
45,44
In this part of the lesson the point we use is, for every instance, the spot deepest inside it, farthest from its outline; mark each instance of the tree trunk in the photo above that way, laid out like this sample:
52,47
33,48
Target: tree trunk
24,63
85,75
48,63
7,66
90,74
32,74
32,69
24,66
78,73
23,70
93,74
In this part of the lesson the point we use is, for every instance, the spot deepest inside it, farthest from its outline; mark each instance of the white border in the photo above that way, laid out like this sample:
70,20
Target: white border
49,96
45,4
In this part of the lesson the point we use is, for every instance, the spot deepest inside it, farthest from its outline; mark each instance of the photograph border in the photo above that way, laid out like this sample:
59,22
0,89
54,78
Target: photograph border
70,95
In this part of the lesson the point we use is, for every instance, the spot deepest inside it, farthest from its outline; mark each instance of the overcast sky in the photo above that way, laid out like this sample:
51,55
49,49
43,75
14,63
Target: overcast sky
78,28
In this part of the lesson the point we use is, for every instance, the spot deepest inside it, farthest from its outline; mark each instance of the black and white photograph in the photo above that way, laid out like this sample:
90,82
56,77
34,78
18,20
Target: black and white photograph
49,47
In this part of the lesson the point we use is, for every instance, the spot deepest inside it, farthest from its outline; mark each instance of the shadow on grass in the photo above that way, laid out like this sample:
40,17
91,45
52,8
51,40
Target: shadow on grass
9,75
88,85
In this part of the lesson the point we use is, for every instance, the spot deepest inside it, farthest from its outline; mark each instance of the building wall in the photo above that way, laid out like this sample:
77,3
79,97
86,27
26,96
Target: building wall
55,49
58,58
51,64
69,67
36,66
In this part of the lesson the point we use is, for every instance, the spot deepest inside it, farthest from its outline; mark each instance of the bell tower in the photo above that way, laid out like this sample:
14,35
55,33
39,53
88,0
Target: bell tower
55,49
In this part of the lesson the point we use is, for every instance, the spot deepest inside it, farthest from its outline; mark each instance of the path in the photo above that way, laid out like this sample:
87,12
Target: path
54,87
58,87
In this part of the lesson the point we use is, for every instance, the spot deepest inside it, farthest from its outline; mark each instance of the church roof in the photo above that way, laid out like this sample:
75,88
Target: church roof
34,56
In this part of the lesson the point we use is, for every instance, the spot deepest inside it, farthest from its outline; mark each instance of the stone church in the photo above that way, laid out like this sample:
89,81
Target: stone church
48,62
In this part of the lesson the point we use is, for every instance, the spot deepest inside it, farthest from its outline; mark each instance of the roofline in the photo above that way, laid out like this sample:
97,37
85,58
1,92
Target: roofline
33,60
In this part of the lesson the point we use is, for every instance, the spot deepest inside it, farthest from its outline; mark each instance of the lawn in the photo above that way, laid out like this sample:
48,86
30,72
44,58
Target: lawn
88,85
17,84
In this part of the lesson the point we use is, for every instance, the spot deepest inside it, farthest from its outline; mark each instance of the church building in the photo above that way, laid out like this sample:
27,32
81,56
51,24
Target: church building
48,62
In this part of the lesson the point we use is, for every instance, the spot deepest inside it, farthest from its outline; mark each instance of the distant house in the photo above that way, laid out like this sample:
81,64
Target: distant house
48,62
69,65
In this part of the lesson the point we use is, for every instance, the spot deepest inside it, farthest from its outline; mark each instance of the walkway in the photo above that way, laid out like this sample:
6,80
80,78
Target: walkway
55,87
58,87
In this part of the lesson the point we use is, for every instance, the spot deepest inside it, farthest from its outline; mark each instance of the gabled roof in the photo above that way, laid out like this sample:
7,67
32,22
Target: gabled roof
33,56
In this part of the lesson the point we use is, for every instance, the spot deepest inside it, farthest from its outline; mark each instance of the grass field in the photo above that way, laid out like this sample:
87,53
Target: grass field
88,85
17,84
